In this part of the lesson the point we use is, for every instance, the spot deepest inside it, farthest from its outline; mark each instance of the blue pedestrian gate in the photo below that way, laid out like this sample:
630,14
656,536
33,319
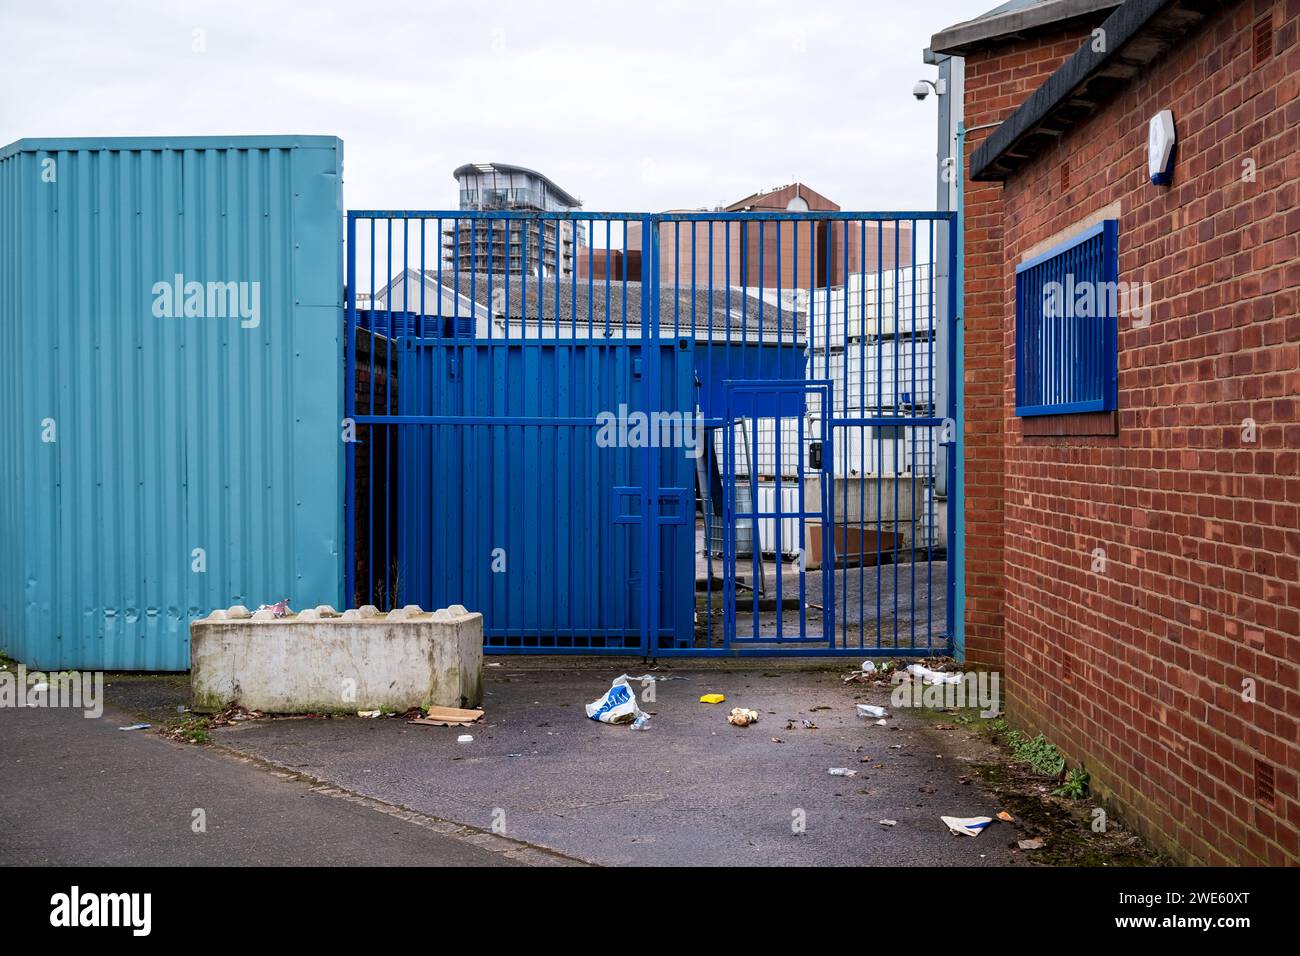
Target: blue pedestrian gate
654,435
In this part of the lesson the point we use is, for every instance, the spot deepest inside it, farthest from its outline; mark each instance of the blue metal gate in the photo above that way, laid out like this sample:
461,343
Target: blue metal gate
687,433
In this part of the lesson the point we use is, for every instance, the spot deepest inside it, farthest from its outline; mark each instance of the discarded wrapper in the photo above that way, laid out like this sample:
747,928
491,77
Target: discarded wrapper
1034,843
842,772
871,710
617,705
968,826
278,609
713,698
136,727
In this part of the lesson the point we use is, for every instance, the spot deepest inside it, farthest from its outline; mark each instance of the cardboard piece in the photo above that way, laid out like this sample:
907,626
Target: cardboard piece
448,717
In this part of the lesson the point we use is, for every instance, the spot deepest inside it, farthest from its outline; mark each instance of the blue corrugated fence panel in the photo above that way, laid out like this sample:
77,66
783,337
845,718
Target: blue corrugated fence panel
171,310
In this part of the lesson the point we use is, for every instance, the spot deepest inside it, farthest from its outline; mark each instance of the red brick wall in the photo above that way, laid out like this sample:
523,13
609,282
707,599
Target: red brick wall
997,82
1137,672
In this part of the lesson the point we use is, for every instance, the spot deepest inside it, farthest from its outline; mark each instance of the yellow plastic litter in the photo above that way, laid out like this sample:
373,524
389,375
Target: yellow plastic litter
712,699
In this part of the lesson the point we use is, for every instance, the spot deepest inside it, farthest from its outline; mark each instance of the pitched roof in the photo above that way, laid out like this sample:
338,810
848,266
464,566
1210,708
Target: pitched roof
519,296
778,198
1012,21
1136,34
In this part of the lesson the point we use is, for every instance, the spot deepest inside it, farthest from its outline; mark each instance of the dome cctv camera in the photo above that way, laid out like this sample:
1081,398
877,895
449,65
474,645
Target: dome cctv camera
921,89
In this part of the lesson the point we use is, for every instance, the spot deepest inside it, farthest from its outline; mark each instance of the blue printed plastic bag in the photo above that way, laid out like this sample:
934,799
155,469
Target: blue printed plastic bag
617,705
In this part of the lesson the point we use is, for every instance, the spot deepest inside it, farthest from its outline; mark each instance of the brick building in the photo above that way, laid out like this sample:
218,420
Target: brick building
1135,567
789,256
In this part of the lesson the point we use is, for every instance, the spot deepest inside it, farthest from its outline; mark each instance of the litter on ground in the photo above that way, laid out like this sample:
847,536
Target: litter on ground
644,678
932,677
713,698
448,717
1034,843
967,826
1006,817
871,710
136,727
889,823
369,713
465,739
617,705
842,772
740,717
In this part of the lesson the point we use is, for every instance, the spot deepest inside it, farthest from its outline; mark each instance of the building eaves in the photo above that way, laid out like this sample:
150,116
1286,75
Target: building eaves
1136,34
1014,21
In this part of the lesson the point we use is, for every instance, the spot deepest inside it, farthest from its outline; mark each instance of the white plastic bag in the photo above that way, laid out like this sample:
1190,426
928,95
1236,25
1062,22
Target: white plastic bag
932,677
617,705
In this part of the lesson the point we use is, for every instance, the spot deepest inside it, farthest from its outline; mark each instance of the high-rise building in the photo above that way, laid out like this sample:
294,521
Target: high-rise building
513,247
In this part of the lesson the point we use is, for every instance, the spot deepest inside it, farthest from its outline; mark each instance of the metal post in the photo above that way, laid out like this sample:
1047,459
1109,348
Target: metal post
651,355
755,543
350,411
957,374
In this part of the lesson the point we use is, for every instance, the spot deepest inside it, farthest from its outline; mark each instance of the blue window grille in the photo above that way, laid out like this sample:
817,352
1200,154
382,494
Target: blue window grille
1067,305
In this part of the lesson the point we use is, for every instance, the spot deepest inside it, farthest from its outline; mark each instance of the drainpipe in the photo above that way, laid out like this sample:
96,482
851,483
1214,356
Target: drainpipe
957,533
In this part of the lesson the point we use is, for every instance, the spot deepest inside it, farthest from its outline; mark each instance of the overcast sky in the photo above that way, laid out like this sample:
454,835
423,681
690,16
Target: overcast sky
630,106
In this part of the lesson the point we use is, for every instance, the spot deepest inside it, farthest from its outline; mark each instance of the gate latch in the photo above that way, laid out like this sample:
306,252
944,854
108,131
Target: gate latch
815,455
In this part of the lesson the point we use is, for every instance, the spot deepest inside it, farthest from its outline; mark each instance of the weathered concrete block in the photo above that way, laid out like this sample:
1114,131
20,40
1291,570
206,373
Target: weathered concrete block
325,662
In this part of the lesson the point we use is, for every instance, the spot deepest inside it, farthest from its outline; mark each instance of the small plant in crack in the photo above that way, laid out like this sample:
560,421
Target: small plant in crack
189,728
1075,785
1041,756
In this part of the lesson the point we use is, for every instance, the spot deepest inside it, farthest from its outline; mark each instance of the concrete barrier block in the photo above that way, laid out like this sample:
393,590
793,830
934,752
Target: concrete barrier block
337,663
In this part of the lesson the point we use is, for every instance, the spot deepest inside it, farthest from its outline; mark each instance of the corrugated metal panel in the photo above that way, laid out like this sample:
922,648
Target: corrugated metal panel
554,502
173,433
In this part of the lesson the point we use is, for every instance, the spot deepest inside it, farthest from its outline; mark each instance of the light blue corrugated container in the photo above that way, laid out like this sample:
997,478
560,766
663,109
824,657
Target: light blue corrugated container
134,433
